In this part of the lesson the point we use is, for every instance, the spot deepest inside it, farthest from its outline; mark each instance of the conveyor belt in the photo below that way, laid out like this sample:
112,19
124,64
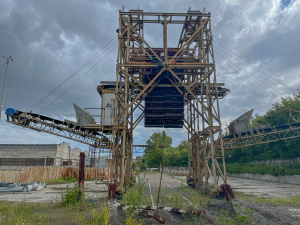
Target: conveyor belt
260,136
59,128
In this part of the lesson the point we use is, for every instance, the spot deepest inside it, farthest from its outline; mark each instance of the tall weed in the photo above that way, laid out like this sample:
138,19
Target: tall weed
71,196
20,213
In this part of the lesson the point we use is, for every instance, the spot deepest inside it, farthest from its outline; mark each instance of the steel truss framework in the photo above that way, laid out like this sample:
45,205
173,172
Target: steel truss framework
191,69
60,128
262,136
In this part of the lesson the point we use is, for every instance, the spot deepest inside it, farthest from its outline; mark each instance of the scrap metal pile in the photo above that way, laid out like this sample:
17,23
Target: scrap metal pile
21,187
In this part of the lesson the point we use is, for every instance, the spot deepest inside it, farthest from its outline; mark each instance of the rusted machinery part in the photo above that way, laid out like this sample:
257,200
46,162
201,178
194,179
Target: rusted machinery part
225,189
158,218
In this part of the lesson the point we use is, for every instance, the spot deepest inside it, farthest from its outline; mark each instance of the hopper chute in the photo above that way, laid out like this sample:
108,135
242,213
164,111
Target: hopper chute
241,124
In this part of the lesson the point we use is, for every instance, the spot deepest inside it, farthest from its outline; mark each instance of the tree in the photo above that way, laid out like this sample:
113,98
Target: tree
170,156
159,139
183,144
154,157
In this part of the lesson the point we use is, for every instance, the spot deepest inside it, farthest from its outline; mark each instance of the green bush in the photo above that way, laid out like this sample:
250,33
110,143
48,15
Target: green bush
71,196
135,196
274,170
143,167
244,216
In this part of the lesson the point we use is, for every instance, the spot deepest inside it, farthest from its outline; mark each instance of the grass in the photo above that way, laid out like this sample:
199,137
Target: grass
68,179
135,198
172,198
135,195
68,210
244,216
292,201
98,215
83,213
12,213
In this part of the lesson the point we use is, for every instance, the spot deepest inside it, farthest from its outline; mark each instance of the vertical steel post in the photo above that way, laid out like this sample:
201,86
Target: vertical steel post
3,92
81,174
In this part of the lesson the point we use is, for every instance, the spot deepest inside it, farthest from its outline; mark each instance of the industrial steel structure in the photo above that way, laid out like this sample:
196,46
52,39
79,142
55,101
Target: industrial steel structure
158,85
168,87
169,80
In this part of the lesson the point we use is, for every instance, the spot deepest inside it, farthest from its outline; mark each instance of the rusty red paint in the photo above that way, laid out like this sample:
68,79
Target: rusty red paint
230,191
81,174
113,190
225,192
109,191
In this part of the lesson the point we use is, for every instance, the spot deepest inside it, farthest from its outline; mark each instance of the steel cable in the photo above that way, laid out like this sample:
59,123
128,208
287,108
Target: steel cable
243,74
95,56
236,56
77,80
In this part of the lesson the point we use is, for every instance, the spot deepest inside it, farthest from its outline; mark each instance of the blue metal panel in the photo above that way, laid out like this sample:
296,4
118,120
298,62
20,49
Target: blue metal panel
11,111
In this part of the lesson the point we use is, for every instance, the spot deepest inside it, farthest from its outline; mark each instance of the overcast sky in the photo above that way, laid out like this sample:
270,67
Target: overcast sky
51,39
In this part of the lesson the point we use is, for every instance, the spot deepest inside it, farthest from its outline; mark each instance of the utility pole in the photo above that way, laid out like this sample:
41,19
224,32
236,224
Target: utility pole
7,61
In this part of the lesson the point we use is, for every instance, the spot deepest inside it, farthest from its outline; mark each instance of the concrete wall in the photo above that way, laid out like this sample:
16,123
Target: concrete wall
176,170
278,161
63,153
27,151
295,179
19,156
75,156
15,156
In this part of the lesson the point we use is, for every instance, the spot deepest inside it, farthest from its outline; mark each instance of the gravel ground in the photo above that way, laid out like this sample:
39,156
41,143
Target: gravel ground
261,214
52,193
118,215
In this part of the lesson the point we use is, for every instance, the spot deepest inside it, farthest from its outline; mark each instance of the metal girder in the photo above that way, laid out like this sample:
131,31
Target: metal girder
256,137
142,13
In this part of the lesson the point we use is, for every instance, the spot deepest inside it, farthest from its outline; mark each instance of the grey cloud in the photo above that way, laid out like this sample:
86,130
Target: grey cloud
49,40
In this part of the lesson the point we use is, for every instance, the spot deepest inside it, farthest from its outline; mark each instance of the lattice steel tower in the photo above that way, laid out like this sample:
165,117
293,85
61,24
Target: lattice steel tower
163,83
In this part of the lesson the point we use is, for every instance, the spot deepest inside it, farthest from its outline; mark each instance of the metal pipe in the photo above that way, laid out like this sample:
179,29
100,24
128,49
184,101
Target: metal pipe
162,168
